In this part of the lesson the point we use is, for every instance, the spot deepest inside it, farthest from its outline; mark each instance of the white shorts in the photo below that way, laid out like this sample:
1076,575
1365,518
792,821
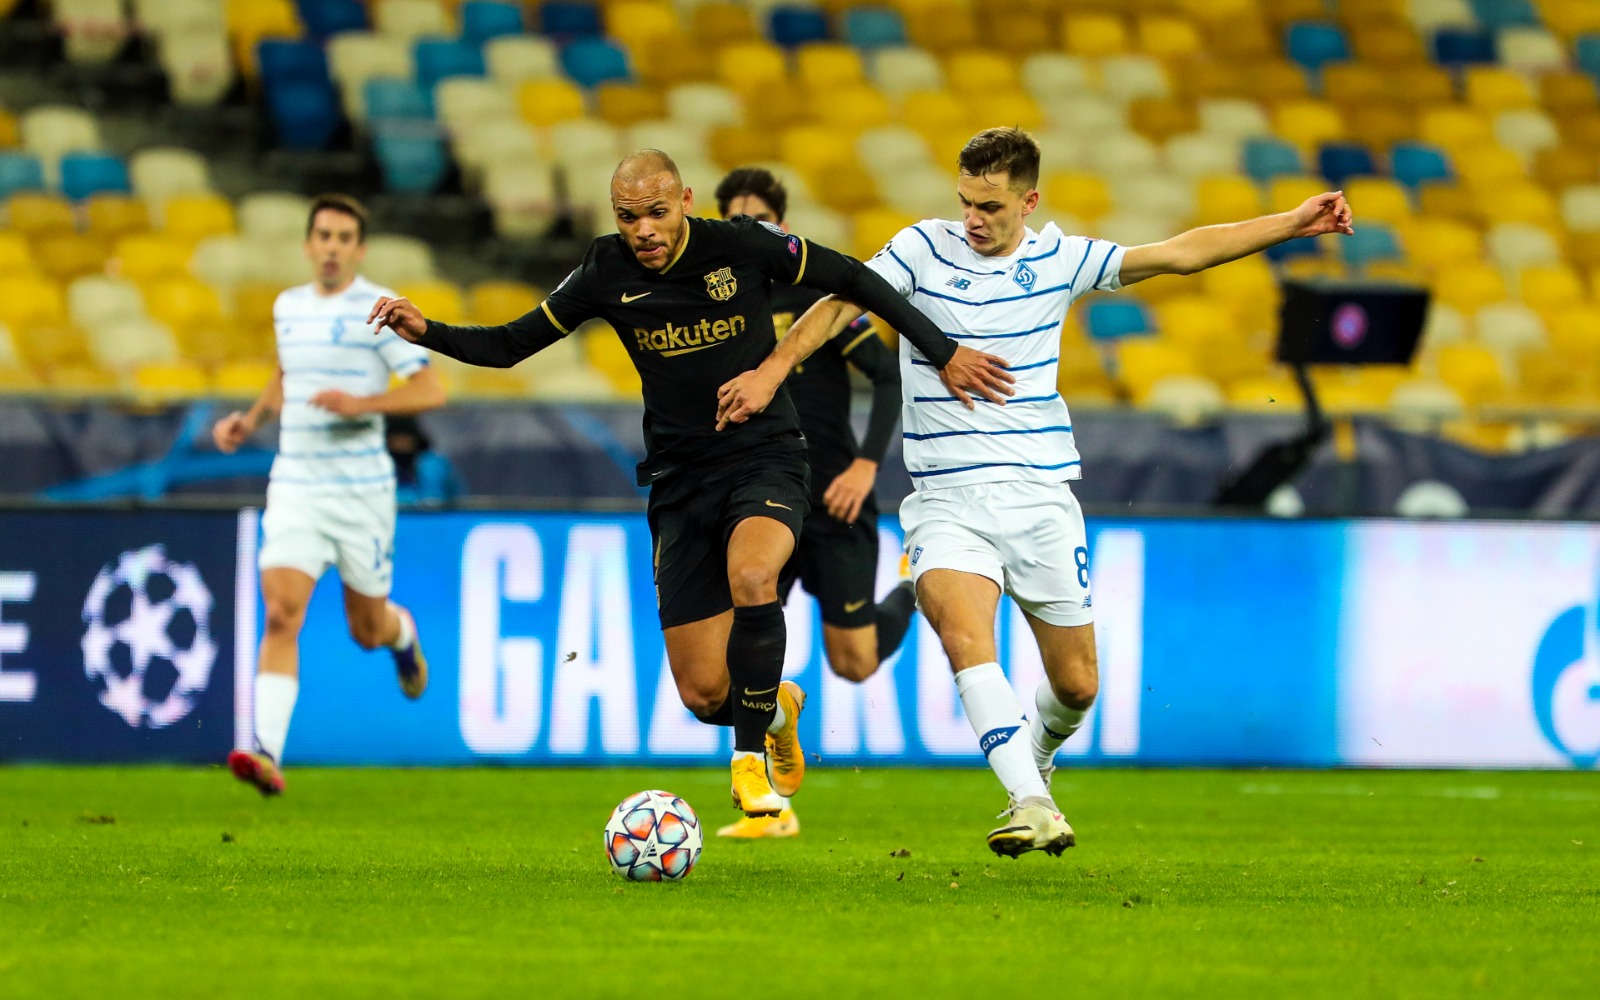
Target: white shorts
351,531
1026,537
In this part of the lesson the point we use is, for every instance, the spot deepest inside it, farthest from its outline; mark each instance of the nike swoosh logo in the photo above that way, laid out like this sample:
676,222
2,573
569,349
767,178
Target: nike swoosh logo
771,504
753,694
854,606
634,298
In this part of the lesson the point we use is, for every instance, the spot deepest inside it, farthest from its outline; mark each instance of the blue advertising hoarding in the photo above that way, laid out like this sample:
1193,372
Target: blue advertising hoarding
116,635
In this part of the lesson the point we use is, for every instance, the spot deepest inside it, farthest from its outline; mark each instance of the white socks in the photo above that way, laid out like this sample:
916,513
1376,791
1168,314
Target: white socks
275,695
407,634
996,718
780,718
1052,724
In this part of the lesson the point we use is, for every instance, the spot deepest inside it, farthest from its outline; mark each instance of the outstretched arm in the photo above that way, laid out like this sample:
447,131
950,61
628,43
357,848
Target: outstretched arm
486,346
1209,246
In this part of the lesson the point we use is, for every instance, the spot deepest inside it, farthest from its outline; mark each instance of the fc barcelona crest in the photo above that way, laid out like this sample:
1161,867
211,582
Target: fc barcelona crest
721,284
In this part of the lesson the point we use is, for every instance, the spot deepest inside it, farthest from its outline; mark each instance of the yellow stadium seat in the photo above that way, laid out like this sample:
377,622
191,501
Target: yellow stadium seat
1352,12
1353,83
1199,323
193,217
1449,200
170,381
16,256
815,149
629,103
1308,124
931,112
243,378
1454,128
1575,333
1472,371
1522,201
1381,125
1548,376
1435,243
1082,195
1204,79
980,70
743,66
1469,287
1159,119
720,23
29,301
734,146
113,216
10,133
1567,91
1016,33
66,256
1144,361
1550,288
675,60
874,228
1226,198
1386,42
1276,81
495,302
249,21
82,379
606,353
828,65
777,104
146,257
1561,167
1095,35
1380,199
1281,13
35,214
1243,38
1421,87
847,188
547,102
1166,36
639,24
1493,89
1484,169
1285,193
1008,107
184,304
440,300
943,27
1270,393
1570,18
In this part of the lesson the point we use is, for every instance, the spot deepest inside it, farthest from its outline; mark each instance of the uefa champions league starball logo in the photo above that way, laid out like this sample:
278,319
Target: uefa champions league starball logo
147,640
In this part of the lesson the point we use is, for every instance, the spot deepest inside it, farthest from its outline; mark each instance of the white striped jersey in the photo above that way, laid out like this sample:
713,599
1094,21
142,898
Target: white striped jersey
1012,307
324,342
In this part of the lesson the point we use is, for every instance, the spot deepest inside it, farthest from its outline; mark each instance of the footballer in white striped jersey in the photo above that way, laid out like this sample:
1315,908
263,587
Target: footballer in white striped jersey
331,492
993,512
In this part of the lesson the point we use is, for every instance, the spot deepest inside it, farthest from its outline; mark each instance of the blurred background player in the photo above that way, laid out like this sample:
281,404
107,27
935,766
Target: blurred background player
837,557
993,511
690,300
331,494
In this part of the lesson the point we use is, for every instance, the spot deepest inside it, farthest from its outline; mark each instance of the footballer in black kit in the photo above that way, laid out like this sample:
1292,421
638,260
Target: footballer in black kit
690,299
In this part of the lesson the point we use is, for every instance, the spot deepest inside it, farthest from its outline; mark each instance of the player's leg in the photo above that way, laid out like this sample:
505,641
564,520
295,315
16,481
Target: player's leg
1067,692
285,594
839,567
376,622
765,708
365,544
697,652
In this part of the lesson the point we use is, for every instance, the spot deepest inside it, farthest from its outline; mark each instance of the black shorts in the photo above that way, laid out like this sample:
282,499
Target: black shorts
837,563
693,513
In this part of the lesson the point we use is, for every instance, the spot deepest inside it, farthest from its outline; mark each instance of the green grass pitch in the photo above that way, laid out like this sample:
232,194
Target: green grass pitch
152,882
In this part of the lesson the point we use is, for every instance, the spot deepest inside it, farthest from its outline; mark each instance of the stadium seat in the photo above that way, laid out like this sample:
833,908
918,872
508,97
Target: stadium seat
185,305
1233,118
891,149
852,109
482,20
1469,287
901,71
304,115
146,257
564,21
1515,245
1113,319
980,71
514,58
112,216
1485,168
1493,89
1526,131
584,140
325,18
93,31
1454,128
265,216
16,254
388,98
20,172
1160,120
412,156
1168,36
494,302
1196,155
942,26
1353,84
1509,328
441,300
1095,35
1371,242
1473,371
35,214
1567,91
628,104
1549,288
398,260
1435,243
440,59
463,101
1313,44
1580,208
284,60
1308,123
198,65
169,381
593,61
1413,164
1457,47
66,256
1267,158
409,20
873,28
1382,199
1522,202
223,261
1225,198
194,217
826,65
640,25
51,131
1496,14
793,25
355,58
1130,77
744,66
704,105
1339,161
1142,362
125,344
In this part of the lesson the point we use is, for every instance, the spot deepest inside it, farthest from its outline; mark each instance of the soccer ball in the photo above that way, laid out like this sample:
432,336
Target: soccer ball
653,836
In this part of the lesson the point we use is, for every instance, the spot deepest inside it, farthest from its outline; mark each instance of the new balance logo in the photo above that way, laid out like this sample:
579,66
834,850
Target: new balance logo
960,284
996,737
1088,603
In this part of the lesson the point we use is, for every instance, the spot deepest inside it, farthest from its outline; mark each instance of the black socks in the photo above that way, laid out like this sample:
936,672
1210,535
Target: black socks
755,666
894,618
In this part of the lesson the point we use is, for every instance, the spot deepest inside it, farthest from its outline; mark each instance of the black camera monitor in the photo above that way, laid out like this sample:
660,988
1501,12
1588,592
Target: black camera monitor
1350,323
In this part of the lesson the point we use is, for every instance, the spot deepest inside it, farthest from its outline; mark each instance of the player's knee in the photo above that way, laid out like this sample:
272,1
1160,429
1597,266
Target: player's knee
965,646
854,667
752,584
703,703
366,631
284,617
1079,684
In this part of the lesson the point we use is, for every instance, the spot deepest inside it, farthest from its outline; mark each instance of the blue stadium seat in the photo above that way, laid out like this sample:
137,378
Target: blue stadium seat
1306,246
389,97
569,20
482,20
440,58
84,174
305,115
791,26
1312,43
20,172
1339,161
874,27
412,157
1113,318
285,61
1588,55
323,18
593,61
1413,163
1266,158
1462,47
1496,14
1372,241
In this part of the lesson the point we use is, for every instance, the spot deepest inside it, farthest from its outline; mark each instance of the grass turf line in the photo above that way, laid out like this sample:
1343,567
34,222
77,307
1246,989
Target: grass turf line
151,882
